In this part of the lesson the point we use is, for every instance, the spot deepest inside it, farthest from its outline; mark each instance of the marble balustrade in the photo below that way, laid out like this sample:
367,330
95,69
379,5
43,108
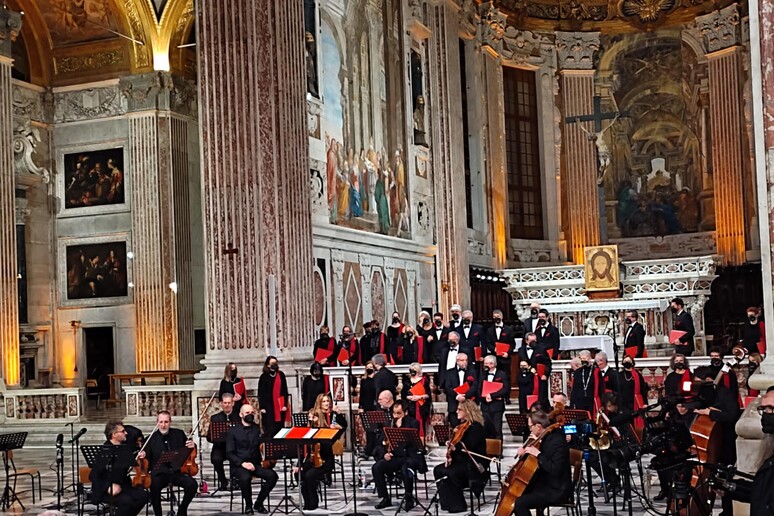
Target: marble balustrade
145,401
55,405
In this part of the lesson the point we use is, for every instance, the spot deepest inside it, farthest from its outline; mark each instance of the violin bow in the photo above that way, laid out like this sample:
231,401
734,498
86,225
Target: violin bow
201,416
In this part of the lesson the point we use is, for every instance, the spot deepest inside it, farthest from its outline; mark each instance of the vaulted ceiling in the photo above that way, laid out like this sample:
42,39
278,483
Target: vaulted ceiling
69,41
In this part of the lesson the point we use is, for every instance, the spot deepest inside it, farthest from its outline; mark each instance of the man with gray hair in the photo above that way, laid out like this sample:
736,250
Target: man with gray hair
582,394
605,378
493,404
456,317
384,379
448,357
460,383
471,336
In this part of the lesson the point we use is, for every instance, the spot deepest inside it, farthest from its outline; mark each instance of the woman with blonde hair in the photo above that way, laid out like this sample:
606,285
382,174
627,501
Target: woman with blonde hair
416,389
411,347
320,461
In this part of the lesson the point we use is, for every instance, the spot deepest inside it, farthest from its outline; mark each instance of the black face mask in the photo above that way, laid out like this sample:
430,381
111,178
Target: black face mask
630,321
369,372
274,367
456,317
585,363
628,365
438,323
498,320
413,373
752,366
375,330
325,336
716,362
534,313
531,343
425,320
767,423
524,370
466,321
542,322
674,310
679,365
409,334
233,375
752,318
395,320
250,419
316,372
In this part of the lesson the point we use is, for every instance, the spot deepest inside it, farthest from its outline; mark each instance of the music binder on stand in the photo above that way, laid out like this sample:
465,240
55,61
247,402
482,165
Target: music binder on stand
398,437
108,457
373,420
10,442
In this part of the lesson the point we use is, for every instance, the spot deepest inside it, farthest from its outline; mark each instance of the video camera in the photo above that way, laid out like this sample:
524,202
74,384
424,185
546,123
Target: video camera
580,428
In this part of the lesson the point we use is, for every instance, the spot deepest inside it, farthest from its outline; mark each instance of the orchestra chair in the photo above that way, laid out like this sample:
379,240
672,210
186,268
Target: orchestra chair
573,504
338,467
233,485
494,450
30,472
85,481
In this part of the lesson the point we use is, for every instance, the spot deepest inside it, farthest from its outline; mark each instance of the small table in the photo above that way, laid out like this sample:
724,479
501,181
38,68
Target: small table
169,377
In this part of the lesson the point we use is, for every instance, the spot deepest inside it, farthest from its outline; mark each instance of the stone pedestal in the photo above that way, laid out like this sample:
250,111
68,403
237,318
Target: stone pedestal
255,175
447,148
10,26
579,161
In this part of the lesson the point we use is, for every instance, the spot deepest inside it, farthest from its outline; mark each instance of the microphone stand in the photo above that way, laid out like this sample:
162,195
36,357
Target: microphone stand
614,319
346,345
72,457
59,474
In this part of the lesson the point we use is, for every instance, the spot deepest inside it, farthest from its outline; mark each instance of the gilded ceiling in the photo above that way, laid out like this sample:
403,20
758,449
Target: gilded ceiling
70,41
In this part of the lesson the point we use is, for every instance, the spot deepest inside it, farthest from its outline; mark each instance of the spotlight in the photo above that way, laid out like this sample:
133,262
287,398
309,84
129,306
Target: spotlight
130,284
130,254
173,287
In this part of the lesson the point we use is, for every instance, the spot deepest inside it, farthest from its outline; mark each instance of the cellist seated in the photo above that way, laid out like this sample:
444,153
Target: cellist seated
552,481
111,483
162,475
462,469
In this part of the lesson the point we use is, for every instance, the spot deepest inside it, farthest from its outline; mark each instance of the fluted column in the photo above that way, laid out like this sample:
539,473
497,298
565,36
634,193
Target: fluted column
255,175
161,239
580,195
721,32
447,161
10,26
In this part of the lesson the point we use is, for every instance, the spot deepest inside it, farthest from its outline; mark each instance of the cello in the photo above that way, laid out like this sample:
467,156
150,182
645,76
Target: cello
521,473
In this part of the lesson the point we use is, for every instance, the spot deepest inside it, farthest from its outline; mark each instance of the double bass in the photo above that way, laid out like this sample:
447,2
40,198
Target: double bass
521,473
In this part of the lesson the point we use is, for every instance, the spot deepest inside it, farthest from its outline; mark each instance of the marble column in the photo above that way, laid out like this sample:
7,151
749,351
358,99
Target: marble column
255,182
10,27
447,156
721,32
579,167
160,162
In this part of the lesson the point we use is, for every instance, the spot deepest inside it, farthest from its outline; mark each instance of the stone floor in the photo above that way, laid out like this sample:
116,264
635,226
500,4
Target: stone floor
218,503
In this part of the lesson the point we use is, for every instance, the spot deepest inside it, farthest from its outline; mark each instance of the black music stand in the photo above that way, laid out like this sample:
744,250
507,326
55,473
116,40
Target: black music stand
219,429
108,458
373,420
404,436
442,434
282,451
576,415
172,458
517,423
10,442
300,419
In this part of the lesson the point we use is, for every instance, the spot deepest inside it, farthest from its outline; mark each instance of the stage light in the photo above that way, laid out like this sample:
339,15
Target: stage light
130,254
173,287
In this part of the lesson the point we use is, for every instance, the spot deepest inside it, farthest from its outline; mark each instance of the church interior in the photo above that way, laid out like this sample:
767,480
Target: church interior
186,184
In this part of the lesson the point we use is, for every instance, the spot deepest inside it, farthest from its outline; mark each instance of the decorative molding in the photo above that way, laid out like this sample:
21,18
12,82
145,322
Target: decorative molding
491,28
532,251
88,104
141,52
142,91
691,244
576,50
27,103
10,28
416,21
88,62
720,28
25,142
523,46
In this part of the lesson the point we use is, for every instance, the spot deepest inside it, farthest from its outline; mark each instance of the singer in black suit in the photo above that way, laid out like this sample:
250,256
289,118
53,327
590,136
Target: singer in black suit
162,475
384,379
499,333
463,373
634,338
112,485
493,405
218,455
536,355
548,334
472,336
244,453
408,459
440,334
530,323
683,322
552,482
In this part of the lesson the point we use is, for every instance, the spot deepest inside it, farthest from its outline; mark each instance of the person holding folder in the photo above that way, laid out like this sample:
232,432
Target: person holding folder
500,341
233,384
416,389
273,397
492,392
460,384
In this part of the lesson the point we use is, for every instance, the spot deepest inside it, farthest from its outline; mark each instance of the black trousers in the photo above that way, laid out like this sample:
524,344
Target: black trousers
129,502
310,480
684,350
245,477
218,459
161,480
493,424
607,467
383,467
536,499
459,476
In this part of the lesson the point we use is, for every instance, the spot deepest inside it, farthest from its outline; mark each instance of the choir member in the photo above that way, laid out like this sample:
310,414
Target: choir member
313,385
634,337
493,404
683,322
234,385
273,397
416,389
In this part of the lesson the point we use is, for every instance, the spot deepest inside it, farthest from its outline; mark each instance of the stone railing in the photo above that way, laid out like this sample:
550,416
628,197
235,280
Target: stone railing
685,277
64,404
144,401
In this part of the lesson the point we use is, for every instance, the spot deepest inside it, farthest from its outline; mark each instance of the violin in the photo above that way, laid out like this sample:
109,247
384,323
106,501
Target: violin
456,438
141,476
190,467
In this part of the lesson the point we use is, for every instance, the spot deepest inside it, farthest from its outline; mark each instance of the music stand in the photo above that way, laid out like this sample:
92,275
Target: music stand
373,420
10,442
108,458
172,458
575,414
517,423
219,429
398,437
300,419
274,450
442,434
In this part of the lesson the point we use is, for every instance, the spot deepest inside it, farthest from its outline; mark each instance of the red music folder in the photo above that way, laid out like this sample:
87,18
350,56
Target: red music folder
501,348
343,355
675,335
322,355
477,353
462,389
490,387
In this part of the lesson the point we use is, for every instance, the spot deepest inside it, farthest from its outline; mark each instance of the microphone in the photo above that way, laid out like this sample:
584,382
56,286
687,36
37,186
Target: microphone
77,436
59,440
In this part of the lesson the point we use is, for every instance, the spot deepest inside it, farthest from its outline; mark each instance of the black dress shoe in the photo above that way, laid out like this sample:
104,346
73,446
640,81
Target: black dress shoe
409,503
223,486
249,510
662,495
386,502
261,510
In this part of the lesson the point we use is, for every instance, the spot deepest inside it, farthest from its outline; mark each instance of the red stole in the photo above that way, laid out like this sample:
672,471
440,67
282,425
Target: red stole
639,422
686,378
382,349
332,348
597,394
420,341
279,399
540,370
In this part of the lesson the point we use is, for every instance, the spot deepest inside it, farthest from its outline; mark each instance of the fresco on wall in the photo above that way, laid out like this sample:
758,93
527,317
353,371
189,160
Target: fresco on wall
363,117
77,21
660,183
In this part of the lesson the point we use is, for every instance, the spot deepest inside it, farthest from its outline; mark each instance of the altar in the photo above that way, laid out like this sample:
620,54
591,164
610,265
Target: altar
646,286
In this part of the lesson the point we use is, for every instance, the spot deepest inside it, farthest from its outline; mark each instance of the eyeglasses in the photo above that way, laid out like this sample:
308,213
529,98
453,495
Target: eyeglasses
765,409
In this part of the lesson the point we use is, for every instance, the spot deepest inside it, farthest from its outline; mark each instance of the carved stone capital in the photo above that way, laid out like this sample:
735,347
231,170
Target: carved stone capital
469,18
491,28
575,50
523,46
10,28
146,91
720,28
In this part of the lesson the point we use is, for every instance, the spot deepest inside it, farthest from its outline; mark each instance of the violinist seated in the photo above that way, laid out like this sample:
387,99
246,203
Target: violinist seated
218,455
552,481
112,485
244,453
462,469
164,439
617,426
406,458
319,460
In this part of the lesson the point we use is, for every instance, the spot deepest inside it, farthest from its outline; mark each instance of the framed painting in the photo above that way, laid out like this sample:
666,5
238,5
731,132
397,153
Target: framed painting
338,389
601,267
92,179
94,271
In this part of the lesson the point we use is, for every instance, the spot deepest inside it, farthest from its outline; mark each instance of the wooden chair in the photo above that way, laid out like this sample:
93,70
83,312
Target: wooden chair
494,449
30,472
573,506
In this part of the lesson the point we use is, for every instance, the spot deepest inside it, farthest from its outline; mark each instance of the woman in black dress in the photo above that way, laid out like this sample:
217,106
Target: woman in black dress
319,460
314,385
416,389
273,397
233,384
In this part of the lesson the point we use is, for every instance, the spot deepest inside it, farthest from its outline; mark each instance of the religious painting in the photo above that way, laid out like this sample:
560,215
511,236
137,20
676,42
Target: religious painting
94,271
94,178
660,181
601,268
338,389
78,21
363,117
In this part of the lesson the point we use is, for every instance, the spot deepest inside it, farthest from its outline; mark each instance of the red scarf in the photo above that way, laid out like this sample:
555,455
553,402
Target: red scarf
382,351
540,370
279,400
597,380
639,422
